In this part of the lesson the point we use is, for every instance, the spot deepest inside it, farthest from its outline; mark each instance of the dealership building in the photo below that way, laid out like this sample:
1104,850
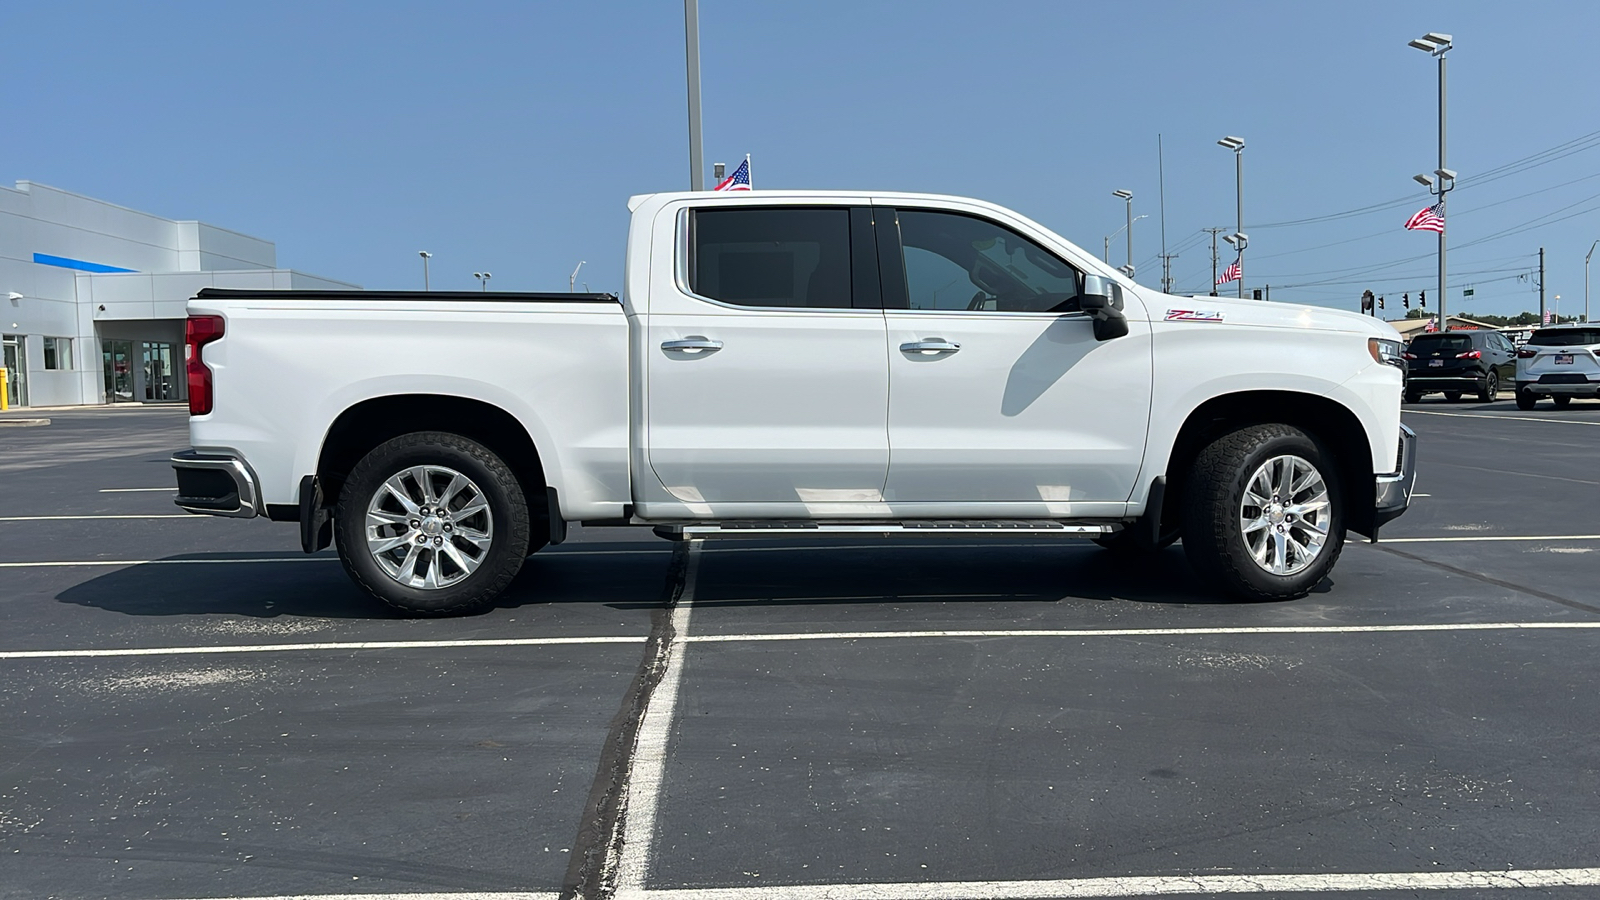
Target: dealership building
95,294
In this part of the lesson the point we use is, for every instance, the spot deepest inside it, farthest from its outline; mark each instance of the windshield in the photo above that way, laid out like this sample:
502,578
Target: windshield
1433,342
1565,337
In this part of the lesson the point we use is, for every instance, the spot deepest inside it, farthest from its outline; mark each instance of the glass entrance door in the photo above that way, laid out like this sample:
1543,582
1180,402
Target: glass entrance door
116,359
160,374
16,363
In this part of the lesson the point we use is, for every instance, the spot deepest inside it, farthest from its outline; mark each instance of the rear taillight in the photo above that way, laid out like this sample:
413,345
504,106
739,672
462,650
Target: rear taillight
1409,355
1527,354
200,331
1470,354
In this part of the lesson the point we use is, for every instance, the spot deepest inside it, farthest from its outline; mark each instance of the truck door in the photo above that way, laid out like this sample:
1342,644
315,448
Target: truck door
1001,400
764,354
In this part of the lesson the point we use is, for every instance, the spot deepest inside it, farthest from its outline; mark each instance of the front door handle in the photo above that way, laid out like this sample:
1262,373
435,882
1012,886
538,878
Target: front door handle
692,345
930,347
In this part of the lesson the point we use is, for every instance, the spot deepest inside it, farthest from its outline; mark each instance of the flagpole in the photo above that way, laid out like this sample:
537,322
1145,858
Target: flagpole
1443,195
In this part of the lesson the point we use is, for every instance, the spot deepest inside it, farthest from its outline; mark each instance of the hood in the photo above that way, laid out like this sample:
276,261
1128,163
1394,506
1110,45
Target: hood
1264,314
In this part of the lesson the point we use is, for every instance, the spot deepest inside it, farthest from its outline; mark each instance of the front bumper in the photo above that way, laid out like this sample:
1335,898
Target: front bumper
1394,490
216,484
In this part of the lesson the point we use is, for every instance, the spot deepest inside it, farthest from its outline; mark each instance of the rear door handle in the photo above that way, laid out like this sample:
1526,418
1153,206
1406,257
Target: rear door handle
693,344
930,347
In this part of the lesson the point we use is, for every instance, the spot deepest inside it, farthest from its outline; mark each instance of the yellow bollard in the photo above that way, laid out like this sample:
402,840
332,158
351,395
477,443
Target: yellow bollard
5,393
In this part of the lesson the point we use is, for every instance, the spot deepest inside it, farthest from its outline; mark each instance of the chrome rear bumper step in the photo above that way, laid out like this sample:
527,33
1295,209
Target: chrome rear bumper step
916,527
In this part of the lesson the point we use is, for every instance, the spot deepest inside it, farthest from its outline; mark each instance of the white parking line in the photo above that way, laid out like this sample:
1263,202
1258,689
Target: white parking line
1140,632
472,895
170,490
1490,538
339,645
1160,886
648,770
72,518
1429,412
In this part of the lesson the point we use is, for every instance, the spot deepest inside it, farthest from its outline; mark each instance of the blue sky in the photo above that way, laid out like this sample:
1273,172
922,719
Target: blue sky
507,136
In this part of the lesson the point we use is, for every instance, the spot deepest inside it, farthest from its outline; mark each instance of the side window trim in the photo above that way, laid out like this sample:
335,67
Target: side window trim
860,276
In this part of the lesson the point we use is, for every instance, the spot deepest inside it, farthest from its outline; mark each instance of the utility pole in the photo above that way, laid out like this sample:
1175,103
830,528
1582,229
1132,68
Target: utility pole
691,29
1214,232
1586,319
425,257
1166,271
1541,286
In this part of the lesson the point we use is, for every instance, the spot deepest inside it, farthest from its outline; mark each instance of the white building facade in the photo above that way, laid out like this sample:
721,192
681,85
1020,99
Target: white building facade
95,295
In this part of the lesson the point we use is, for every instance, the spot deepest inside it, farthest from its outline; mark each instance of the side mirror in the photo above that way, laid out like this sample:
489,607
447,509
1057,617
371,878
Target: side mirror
1102,300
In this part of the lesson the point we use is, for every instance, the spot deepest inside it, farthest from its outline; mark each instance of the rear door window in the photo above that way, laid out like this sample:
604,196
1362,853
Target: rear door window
772,257
1442,342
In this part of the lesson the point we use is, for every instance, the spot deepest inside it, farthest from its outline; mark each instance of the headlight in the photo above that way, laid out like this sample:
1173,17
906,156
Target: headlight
1386,352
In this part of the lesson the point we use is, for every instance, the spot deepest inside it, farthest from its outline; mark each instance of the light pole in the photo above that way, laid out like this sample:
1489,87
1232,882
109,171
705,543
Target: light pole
425,257
1437,45
1586,318
1238,239
1127,197
1106,251
691,30
572,279
483,280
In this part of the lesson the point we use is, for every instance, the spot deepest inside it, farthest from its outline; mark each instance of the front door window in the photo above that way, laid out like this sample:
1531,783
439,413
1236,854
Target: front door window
116,361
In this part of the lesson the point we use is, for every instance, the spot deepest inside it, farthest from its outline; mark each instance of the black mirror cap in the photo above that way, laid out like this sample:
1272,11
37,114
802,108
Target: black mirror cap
1113,326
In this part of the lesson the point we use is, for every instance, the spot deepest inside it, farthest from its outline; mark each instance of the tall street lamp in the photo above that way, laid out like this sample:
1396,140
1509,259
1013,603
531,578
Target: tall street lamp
1586,318
1127,197
483,279
1105,252
425,257
1237,239
1437,45
691,31
572,280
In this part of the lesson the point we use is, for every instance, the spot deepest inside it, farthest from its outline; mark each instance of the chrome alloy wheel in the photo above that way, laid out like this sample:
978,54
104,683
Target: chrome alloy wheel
428,527
1285,515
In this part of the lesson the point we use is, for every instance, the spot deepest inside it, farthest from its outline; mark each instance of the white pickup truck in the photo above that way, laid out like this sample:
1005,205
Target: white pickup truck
798,363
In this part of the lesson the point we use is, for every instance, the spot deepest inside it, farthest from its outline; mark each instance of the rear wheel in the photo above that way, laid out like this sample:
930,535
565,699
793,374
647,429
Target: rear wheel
432,524
1452,396
1491,387
1263,514
1413,396
1561,400
1526,399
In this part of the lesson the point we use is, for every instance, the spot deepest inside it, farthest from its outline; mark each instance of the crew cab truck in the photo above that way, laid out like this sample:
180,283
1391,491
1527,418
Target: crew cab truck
790,364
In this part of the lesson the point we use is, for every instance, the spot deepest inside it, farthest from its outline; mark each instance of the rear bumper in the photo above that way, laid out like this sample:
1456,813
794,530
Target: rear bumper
1461,382
1575,389
216,484
1393,493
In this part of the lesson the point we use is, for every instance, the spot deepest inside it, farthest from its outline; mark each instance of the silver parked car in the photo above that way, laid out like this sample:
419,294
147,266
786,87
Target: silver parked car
1559,362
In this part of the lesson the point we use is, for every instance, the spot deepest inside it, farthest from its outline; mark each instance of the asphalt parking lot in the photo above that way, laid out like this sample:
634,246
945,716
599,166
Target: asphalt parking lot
190,708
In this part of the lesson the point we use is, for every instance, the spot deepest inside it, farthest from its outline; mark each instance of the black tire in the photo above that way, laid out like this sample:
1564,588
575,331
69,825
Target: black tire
509,541
1413,396
1213,536
1491,387
1561,400
1452,396
1526,399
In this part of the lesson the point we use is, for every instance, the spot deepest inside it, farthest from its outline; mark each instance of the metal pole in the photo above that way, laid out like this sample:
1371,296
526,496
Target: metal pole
691,28
1586,318
1129,226
1214,233
1238,183
1105,252
1161,172
1444,318
573,278
425,257
1541,285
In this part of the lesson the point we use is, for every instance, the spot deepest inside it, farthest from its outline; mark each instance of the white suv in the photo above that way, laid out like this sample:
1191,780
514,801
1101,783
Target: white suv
1559,362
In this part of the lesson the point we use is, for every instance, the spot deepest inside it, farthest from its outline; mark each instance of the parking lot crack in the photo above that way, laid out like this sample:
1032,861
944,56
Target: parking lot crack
1486,579
592,868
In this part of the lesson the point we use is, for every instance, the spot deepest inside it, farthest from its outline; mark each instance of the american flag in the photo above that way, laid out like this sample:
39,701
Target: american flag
1432,326
1231,273
739,180
1547,317
1428,219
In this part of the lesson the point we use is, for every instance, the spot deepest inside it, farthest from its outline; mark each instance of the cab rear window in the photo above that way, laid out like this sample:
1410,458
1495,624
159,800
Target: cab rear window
1565,337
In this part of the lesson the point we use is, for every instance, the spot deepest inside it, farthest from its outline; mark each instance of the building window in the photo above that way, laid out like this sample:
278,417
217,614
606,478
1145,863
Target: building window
57,353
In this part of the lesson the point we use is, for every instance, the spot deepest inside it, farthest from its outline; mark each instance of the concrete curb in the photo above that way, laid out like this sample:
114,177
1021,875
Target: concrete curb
22,423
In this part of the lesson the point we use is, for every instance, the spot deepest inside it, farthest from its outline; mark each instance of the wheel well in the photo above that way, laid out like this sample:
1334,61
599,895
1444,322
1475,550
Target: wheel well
1330,422
369,423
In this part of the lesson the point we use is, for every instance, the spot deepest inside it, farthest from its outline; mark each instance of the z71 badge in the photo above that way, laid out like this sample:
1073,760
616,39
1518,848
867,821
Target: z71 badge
1194,315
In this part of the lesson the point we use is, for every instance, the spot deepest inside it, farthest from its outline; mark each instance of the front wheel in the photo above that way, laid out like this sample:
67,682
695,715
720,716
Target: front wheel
432,524
1263,514
1491,388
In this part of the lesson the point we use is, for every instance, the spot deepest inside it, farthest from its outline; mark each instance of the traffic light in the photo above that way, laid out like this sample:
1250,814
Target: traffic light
1405,299
1422,300
1258,293
1380,303
1366,301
